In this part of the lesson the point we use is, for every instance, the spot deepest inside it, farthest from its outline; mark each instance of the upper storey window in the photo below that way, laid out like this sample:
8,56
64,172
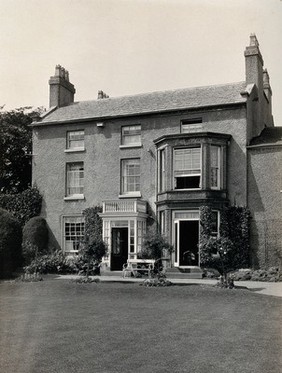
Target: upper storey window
130,172
75,179
187,168
190,124
75,140
215,167
131,135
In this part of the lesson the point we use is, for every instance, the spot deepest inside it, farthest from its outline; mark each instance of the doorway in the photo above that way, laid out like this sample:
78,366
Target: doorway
187,240
119,254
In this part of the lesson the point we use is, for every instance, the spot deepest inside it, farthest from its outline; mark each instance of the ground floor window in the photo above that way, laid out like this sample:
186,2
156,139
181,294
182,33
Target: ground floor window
73,233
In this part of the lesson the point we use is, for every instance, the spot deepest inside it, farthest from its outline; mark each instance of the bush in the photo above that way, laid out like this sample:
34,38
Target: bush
93,248
231,250
55,262
155,246
10,244
90,257
23,206
35,238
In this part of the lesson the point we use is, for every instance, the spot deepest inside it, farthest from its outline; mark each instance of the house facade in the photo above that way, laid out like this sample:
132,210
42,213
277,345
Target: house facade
153,159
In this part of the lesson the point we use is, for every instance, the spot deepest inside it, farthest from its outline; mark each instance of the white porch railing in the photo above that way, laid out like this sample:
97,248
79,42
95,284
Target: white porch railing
125,206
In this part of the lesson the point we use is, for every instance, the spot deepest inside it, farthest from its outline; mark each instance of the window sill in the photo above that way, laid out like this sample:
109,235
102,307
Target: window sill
74,197
130,195
129,146
186,189
75,150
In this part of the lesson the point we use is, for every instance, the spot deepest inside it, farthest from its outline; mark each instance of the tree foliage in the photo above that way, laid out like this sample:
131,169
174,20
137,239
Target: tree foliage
10,243
35,238
155,246
230,251
23,206
16,149
93,248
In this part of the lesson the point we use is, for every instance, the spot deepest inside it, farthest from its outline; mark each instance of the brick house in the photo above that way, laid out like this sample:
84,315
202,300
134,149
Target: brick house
156,158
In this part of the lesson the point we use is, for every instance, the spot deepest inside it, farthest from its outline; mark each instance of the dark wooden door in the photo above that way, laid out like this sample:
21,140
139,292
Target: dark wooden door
119,254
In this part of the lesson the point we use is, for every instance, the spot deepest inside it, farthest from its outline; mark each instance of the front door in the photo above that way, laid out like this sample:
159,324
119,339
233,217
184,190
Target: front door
187,240
119,254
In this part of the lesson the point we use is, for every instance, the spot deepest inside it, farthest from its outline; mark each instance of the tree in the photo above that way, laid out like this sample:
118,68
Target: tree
16,148
93,248
155,246
230,251
10,243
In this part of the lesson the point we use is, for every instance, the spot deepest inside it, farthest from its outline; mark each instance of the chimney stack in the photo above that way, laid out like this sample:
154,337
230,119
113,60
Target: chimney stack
254,63
61,90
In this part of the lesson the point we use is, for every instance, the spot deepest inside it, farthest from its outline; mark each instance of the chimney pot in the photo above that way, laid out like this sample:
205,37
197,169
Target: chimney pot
253,41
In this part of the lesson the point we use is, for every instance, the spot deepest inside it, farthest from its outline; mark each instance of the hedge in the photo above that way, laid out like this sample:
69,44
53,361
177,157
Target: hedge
10,244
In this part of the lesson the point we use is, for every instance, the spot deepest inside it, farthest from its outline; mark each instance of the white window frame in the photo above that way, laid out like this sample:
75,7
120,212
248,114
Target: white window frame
71,240
133,136
187,172
75,180
216,167
162,170
126,177
77,143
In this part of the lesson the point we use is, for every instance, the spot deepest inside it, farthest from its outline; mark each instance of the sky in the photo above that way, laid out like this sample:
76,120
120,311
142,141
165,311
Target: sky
126,47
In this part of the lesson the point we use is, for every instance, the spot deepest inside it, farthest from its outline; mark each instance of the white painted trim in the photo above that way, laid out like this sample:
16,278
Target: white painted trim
75,150
74,197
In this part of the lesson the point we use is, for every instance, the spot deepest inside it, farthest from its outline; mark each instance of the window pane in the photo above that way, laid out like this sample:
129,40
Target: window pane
130,175
75,139
187,168
73,233
131,135
75,178
215,169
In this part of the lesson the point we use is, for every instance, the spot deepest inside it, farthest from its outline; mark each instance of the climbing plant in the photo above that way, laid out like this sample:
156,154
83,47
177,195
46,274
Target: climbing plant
230,250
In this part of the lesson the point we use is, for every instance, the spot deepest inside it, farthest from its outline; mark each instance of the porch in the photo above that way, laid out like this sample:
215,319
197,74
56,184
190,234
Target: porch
124,226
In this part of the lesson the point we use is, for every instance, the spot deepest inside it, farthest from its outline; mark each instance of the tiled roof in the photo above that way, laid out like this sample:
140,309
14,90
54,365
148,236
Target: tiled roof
154,102
269,136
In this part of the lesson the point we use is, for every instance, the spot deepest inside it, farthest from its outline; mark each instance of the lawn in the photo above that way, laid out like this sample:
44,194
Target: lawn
62,327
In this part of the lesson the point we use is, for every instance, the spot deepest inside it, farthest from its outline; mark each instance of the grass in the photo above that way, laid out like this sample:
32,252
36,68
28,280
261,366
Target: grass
59,326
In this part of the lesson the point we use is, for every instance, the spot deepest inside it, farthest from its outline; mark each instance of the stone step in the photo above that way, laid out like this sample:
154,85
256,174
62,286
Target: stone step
111,273
183,275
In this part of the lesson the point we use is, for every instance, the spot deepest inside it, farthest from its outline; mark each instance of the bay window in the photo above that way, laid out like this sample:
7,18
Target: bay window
187,168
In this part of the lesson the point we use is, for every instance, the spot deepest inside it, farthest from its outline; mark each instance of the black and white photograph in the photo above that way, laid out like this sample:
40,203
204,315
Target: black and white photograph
141,186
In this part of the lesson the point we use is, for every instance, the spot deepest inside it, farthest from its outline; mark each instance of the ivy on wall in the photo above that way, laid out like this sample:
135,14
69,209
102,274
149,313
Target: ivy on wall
230,251
93,223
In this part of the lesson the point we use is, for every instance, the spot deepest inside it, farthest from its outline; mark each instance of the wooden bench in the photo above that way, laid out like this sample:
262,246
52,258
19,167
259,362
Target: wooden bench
135,266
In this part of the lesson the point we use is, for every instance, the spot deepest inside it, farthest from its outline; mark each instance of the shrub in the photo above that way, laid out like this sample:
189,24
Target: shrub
90,256
93,248
231,250
155,246
55,262
23,206
10,243
35,238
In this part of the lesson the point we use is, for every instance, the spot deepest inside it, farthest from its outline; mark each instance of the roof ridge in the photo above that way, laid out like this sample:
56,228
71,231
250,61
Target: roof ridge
161,91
